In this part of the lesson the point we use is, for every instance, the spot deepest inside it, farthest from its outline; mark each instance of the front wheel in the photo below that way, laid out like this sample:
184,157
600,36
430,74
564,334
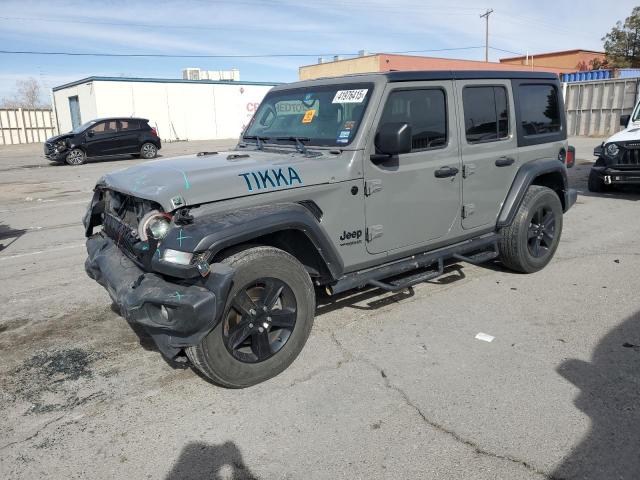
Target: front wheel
266,322
529,243
76,157
148,150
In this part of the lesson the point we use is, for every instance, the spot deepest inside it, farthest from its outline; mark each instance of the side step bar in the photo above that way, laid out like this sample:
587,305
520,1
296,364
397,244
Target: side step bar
477,247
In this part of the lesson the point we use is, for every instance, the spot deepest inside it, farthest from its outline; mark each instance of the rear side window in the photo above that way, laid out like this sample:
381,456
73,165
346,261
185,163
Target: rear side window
486,113
539,109
426,112
129,125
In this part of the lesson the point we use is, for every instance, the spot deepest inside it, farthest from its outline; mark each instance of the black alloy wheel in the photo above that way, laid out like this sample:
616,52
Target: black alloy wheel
260,320
541,232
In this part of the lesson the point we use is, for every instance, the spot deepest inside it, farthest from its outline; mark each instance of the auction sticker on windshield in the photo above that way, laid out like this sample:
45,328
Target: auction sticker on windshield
350,96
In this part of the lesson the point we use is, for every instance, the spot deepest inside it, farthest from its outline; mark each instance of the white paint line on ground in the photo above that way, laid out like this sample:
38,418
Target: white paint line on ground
35,207
485,337
19,255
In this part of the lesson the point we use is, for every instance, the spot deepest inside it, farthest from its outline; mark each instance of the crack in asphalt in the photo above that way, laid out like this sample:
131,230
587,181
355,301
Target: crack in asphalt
31,437
440,428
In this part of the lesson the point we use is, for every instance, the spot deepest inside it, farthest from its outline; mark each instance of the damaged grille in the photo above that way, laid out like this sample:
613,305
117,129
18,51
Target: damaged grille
48,149
120,232
121,216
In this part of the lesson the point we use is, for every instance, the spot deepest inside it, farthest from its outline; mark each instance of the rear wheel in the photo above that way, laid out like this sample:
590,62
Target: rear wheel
267,320
76,157
529,243
148,150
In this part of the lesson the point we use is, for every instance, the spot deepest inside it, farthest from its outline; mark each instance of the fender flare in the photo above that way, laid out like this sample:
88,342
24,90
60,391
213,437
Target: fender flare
524,178
216,231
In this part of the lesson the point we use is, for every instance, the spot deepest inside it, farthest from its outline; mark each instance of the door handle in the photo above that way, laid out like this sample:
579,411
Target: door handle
504,161
445,172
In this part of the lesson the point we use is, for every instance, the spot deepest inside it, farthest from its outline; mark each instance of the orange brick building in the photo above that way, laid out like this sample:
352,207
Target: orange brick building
565,61
382,62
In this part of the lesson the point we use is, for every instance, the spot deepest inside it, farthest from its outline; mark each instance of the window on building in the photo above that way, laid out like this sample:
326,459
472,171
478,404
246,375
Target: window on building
486,113
426,112
539,109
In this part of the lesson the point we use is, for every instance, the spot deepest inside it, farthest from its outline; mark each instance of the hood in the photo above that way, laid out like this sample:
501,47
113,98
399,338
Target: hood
632,133
195,179
59,137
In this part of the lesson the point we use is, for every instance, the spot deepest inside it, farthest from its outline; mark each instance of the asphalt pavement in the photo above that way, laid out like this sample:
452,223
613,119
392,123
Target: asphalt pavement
388,386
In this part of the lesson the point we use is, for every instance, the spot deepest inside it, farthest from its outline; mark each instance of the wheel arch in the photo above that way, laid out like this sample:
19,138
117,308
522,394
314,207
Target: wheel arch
550,173
288,226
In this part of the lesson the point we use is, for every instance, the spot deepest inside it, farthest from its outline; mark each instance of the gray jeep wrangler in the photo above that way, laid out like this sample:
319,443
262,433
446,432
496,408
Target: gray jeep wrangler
368,180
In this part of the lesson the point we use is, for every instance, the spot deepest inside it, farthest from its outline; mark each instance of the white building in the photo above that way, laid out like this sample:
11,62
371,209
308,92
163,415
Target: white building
178,109
193,73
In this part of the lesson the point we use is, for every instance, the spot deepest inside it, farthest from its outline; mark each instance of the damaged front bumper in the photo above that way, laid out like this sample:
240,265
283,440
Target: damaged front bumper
176,315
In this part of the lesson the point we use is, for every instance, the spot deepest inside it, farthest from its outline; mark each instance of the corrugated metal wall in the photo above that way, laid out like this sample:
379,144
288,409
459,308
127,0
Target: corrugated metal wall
21,125
594,108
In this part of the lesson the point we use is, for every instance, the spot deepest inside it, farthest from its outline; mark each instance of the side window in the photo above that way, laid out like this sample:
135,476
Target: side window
539,109
426,112
125,125
486,113
104,127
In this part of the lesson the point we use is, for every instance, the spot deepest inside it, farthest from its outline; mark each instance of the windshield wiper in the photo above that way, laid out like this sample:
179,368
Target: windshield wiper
258,140
301,147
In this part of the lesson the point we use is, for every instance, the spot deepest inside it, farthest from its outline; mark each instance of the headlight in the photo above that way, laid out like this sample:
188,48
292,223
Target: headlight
612,150
176,256
155,224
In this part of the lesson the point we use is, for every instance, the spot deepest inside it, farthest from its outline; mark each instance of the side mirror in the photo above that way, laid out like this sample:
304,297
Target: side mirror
90,133
624,120
393,138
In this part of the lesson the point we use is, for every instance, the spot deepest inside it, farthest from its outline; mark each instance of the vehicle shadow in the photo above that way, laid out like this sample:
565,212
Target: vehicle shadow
610,395
9,235
371,298
199,460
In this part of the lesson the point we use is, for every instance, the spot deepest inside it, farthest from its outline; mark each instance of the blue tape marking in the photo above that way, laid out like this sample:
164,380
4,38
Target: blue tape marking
181,237
177,295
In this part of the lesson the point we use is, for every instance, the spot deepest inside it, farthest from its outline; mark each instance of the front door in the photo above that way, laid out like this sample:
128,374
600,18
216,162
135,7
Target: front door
413,199
489,148
102,138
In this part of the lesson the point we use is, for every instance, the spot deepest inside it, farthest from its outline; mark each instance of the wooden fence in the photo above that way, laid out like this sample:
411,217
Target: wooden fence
25,125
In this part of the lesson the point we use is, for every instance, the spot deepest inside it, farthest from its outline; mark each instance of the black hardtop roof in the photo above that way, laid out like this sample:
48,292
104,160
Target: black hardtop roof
411,76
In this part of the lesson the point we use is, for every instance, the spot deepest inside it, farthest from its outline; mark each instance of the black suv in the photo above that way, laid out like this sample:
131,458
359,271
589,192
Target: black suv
104,137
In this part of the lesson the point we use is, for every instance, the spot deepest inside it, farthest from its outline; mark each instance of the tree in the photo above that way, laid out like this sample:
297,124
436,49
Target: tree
622,43
27,95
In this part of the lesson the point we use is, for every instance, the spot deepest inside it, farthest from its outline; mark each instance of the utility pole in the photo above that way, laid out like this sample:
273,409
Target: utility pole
485,15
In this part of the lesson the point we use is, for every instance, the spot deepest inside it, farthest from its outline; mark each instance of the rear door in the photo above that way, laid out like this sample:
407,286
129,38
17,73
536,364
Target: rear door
489,148
407,204
128,136
102,138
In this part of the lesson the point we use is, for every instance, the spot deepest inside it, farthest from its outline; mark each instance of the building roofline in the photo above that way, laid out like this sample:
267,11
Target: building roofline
160,80
548,54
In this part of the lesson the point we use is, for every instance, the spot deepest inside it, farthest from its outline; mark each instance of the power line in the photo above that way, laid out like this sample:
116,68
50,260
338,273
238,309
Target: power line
165,55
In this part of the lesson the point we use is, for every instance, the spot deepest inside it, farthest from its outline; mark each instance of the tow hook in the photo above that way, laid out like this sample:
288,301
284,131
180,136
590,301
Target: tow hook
607,179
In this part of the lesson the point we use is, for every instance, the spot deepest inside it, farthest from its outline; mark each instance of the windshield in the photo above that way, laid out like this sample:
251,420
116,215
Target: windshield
82,127
319,115
636,114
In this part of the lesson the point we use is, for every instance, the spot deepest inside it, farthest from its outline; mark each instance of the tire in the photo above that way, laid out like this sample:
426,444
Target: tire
596,183
148,150
525,246
258,270
76,157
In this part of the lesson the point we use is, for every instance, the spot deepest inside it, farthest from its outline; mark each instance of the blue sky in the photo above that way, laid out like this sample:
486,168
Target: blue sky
248,27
